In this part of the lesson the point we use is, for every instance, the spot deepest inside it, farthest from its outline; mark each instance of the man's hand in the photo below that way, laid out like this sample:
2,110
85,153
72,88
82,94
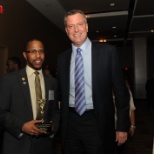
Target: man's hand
121,137
30,128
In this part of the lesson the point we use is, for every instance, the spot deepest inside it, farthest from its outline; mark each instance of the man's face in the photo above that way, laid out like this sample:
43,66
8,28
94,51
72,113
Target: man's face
35,54
10,66
76,29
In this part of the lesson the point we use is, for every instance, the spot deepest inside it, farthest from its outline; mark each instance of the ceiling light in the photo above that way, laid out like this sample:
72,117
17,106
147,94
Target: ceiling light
112,4
114,27
115,35
152,30
107,14
102,40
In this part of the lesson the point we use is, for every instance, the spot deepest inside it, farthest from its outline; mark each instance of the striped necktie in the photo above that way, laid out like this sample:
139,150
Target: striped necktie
80,100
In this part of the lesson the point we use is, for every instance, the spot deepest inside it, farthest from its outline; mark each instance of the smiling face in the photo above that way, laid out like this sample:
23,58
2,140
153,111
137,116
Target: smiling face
76,29
34,59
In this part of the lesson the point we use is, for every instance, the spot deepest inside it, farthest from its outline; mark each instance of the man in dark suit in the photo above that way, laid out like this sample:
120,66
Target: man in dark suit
88,110
12,64
19,105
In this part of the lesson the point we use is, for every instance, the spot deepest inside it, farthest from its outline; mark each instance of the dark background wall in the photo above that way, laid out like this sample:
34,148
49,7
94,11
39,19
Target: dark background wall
150,60
21,21
126,56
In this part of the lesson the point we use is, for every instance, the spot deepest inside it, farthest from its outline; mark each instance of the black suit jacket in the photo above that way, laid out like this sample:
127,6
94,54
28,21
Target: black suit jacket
106,76
16,109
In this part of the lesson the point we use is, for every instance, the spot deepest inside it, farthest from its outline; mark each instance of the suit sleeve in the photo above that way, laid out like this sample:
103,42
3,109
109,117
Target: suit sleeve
8,121
55,109
121,94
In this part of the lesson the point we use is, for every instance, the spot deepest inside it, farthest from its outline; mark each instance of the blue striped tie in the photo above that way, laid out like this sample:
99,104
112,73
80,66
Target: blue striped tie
80,100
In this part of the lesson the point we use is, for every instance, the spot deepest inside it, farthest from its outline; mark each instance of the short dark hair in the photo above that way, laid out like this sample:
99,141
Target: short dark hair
72,12
30,40
16,60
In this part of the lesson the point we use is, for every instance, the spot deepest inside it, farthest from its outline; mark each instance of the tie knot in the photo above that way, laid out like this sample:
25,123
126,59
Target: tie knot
36,73
78,50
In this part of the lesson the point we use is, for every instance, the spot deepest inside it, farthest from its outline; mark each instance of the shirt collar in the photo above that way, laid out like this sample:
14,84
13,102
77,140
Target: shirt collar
30,71
83,47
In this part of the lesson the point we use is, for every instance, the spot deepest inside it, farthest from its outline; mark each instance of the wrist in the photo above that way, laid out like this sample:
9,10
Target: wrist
132,126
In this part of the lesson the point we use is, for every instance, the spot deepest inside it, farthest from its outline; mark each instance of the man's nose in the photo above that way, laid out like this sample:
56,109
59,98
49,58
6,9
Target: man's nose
76,28
37,54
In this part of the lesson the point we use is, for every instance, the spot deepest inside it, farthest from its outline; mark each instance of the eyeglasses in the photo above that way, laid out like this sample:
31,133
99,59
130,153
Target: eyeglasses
35,51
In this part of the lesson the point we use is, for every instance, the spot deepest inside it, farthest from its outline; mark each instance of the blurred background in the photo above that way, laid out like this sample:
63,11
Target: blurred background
127,24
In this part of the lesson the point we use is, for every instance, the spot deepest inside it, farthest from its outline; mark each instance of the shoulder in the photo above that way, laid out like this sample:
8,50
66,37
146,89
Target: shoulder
104,49
10,75
103,46
50,79
13,75
65,53
9,80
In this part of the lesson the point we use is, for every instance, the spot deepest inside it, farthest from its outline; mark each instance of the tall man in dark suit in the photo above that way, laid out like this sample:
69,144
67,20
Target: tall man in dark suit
19,109
87,108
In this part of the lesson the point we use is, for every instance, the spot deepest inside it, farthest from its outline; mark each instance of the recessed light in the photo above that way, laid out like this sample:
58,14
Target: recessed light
114,27
107,14
112,4
102,40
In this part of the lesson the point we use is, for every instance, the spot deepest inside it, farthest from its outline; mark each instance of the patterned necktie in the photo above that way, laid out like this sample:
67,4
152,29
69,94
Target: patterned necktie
80,100
38,94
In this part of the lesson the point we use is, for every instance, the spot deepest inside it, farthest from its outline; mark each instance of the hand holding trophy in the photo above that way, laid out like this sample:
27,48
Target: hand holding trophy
46,126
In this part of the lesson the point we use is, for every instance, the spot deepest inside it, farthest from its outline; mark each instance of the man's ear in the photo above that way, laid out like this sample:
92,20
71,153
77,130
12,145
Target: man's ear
66,31
87,26
24,54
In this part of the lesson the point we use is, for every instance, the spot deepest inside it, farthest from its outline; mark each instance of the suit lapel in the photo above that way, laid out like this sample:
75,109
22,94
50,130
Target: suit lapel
47,87
25,86
67,70
68,61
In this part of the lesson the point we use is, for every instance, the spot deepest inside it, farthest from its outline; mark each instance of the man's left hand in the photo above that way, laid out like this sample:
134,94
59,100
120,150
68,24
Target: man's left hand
121,137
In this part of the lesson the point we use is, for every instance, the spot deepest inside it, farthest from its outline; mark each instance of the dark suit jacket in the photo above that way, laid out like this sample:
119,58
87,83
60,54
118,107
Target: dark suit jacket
106,75
149,87
16,109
